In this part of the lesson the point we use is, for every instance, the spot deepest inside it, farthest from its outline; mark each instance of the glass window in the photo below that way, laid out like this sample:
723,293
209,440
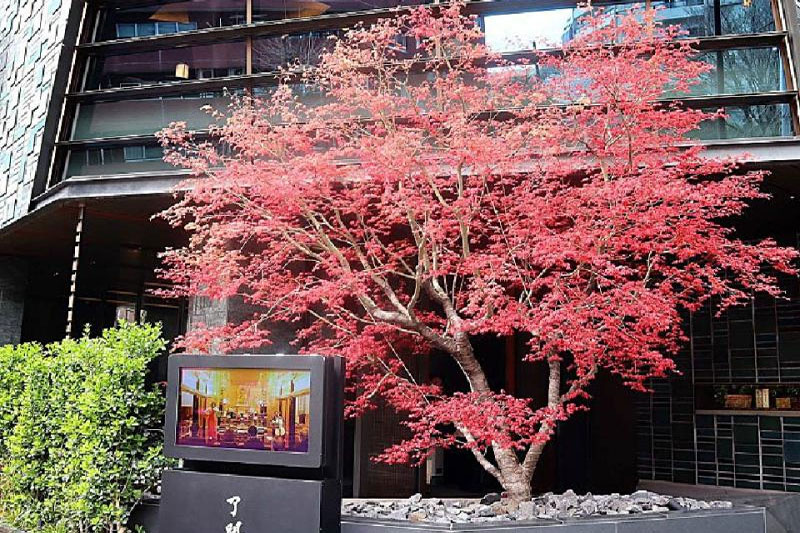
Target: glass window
272,53
145,29
742,71
126,30
162,66
201,14
550,28
282,9
696,17
115,160
163,18
774,120
153,152
165,28
133,153
528,30
752,70
94,157
736,17
144,116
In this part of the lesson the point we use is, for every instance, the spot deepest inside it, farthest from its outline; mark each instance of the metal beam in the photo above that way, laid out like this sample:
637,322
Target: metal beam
138,184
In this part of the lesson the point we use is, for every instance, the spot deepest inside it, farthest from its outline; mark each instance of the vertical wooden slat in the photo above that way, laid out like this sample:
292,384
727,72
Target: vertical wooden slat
76,255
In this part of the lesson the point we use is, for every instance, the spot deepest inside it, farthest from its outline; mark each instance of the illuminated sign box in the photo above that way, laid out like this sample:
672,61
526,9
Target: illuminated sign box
274,410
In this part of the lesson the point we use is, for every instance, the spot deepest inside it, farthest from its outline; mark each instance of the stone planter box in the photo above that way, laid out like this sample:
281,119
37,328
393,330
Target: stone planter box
737,520
145,515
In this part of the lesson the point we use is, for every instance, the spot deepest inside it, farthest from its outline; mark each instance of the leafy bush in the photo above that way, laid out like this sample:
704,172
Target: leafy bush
79,430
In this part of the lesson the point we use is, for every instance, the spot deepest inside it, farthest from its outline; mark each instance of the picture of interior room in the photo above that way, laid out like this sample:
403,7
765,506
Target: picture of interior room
245,408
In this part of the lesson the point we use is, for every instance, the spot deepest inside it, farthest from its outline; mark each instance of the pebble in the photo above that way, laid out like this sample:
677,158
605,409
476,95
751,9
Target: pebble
551,506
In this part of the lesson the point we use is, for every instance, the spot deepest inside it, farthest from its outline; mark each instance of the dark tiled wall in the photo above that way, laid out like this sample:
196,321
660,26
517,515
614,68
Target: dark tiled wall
665,428
759,452
13,279
755,343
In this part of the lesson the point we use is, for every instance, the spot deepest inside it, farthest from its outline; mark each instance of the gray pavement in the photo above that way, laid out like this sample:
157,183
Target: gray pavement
783,508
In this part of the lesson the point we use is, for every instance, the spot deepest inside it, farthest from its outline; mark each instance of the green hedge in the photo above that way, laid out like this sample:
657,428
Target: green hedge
79,430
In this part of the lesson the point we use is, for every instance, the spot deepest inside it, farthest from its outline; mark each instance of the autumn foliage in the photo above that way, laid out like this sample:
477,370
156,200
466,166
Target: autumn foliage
431,192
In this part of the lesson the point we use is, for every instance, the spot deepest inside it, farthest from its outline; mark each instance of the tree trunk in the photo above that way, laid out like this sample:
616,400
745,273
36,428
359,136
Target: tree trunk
510,472
513,474
516,480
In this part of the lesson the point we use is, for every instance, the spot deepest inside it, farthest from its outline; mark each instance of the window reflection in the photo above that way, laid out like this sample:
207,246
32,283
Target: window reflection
752,121
162,66
528,30
145,116
274,52
695,17
550,28
735,17
171,17
282,9
116,160
742,71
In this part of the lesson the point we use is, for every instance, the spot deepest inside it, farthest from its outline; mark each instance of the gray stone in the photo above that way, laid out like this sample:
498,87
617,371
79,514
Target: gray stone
675,505
527,510
589,507
548,506
398,515
485,510
490,498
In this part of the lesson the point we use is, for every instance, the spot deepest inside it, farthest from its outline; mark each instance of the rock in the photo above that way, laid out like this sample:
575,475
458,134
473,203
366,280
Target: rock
485,510
589,507
492,508
526,510
675,505
398,515
490,498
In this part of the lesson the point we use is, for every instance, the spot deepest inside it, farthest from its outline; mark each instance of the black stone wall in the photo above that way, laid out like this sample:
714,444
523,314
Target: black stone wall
13,280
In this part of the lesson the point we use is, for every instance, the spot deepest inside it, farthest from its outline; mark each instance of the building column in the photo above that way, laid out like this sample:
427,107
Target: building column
13,281
215,313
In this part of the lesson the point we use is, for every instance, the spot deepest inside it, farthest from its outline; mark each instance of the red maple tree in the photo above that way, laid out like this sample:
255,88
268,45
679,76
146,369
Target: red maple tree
393,204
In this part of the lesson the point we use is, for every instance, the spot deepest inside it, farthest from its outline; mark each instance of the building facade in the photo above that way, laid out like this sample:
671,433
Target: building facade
85,84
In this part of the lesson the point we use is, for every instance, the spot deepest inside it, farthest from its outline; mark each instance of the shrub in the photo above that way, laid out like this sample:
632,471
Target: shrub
80,430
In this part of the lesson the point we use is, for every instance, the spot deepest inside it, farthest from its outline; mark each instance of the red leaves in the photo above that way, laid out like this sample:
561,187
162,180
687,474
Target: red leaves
396,212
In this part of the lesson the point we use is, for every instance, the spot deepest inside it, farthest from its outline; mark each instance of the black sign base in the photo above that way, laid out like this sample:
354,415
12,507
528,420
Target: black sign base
198,502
